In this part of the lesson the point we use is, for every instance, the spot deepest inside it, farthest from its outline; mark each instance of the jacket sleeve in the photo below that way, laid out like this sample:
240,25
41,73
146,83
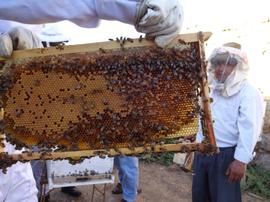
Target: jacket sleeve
22,185
249,125
18,184
85,13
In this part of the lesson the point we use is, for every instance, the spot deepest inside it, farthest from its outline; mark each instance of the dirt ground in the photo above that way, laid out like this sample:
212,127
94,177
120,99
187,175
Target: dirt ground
158,183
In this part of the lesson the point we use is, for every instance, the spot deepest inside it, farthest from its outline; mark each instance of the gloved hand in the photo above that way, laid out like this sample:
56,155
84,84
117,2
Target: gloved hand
18,38
161,19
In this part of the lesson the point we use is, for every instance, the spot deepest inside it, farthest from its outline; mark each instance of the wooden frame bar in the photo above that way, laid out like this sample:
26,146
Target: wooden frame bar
205,99
97,46
1,143
2,146
27,156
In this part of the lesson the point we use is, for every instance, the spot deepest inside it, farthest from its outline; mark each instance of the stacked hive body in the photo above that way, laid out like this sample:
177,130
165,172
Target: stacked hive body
126,96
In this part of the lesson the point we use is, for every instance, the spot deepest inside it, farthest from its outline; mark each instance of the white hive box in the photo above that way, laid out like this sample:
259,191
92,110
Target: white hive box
91,171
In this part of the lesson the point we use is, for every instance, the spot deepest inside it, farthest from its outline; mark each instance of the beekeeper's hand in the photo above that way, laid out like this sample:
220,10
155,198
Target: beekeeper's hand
18,38
161,19
236,171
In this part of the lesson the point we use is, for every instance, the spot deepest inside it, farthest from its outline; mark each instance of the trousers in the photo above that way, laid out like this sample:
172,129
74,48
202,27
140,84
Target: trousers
128,173
210,182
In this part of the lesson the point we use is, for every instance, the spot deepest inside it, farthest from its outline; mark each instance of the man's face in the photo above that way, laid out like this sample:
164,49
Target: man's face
222,71
222,66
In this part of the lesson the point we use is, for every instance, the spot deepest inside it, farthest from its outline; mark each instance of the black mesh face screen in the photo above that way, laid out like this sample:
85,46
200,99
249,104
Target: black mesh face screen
223,59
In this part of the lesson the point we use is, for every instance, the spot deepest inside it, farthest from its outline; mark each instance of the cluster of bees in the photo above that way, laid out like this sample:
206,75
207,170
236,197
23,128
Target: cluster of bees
101,100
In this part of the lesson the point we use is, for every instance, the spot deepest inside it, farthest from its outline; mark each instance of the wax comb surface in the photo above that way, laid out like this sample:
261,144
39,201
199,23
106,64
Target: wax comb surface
102,99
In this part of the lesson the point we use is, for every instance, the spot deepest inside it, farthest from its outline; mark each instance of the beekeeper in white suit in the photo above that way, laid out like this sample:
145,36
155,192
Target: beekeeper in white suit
17,184
52,35
160,19
237,110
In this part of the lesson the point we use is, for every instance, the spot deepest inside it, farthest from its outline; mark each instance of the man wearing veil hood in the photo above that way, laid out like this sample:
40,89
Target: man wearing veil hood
237,111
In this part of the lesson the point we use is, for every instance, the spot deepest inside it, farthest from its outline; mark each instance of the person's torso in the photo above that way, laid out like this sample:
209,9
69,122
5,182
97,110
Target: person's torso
225,115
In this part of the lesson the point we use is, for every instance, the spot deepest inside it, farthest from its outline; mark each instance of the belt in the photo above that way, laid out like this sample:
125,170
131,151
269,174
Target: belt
226,148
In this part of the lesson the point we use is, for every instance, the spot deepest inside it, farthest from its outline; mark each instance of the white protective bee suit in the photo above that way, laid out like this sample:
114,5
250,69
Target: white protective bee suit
161,19
18,184
237,110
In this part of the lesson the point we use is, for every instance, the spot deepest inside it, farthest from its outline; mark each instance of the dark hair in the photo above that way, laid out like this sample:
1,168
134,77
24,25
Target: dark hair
223,58
52,44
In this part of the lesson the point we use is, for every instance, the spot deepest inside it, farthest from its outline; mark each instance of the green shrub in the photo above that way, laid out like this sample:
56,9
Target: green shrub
165,159
257,181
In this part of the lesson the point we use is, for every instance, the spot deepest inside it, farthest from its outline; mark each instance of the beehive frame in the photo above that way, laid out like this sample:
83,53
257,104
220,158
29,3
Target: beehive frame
181,43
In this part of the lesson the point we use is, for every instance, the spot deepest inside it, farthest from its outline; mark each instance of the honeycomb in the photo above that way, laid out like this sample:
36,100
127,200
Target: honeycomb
102,99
